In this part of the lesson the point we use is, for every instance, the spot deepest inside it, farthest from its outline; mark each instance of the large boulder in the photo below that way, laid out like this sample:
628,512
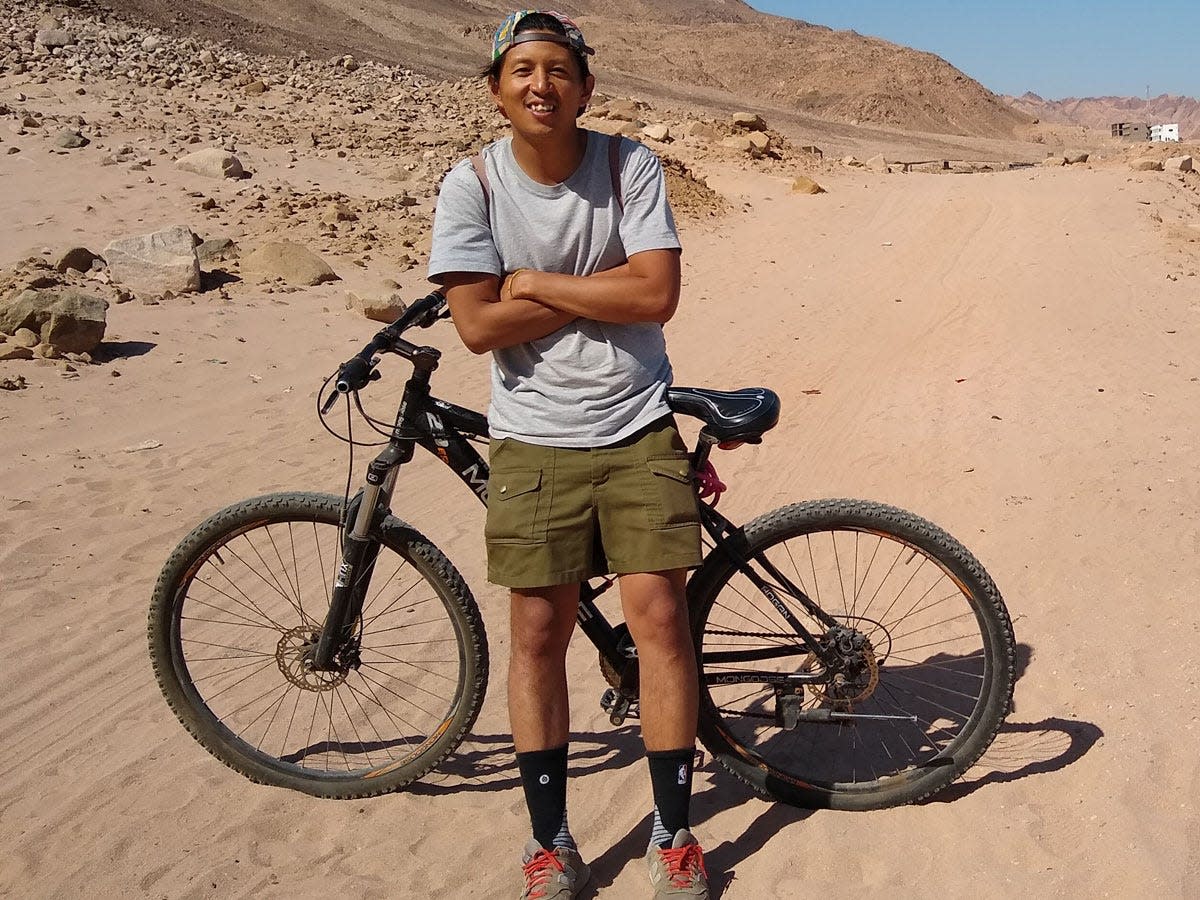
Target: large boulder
381,305
156,263
213,163
1146,164
878,164
295,264
1178,164
54,37
805,185
69,320
748,121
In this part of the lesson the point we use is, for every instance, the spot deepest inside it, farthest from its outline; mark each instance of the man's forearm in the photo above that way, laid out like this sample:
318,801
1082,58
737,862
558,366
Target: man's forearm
617,295
499,324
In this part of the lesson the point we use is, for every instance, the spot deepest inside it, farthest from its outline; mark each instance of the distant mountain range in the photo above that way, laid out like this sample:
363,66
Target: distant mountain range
718,53
1101,112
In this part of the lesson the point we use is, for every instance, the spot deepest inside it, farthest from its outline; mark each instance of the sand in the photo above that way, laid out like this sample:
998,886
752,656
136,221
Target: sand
1013,355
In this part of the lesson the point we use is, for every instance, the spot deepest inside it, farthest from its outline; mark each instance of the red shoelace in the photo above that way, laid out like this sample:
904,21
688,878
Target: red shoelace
682,863
539,870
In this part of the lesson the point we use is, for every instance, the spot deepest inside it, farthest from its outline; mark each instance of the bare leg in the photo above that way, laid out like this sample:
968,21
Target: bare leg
541,622
656,612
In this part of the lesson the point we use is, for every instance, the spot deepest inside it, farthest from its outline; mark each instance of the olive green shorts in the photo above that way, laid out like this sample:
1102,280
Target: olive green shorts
560,516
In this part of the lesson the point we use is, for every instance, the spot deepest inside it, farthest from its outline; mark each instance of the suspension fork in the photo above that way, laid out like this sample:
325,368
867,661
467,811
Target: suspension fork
359,552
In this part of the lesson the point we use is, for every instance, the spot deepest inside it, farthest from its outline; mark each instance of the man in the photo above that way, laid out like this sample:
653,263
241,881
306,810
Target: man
558,253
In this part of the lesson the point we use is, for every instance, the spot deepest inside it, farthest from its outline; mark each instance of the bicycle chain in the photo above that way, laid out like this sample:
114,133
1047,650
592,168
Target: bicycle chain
759,634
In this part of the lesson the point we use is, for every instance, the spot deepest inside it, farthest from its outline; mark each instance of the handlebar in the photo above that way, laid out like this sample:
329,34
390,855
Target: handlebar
358,371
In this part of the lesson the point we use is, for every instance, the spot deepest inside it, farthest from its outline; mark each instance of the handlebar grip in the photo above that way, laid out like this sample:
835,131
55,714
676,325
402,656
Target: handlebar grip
353,375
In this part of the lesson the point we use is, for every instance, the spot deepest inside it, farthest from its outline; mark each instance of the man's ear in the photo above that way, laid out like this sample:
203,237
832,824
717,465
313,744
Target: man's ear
589,85
494,87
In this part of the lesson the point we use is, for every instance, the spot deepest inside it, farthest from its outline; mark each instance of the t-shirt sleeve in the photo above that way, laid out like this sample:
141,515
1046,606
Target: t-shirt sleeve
647,222
462,235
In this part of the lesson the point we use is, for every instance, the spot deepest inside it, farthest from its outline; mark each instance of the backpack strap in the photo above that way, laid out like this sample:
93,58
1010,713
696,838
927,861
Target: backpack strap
614,169
481,173
614,174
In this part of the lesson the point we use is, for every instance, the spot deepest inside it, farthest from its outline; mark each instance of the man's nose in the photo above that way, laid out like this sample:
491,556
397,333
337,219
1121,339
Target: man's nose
541,79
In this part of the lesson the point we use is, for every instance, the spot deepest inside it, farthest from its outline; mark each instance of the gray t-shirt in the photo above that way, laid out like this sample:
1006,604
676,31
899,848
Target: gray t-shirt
590,383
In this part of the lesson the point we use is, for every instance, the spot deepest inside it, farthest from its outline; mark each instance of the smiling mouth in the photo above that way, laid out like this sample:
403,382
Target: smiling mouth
542,108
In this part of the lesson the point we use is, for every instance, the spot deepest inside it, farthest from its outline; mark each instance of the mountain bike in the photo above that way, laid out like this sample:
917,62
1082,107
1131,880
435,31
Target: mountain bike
852,655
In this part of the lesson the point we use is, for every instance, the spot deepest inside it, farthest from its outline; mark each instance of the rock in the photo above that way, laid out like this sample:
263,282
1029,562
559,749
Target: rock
15,383
625,110
1178,164
206,57
387,308
70,139
760,142
1054,162
349,63
703,131
1076,157
292,262
852,162
878,164
54,37
813,150
1146,164
338,212
657,132
25,337
66,320
9,350
738,142
748,121
628,129
151,42
255,87
805,185
216,250
212,162
78,258
156,263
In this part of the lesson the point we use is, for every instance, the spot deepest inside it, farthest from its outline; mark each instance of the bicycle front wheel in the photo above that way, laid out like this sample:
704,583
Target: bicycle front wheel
242,600
927,645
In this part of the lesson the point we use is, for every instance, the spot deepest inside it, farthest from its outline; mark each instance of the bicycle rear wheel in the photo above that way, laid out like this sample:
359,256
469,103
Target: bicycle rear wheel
243,597
927,688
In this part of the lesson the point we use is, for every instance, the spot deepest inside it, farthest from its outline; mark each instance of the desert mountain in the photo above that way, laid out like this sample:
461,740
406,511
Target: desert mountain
1100,112
716,52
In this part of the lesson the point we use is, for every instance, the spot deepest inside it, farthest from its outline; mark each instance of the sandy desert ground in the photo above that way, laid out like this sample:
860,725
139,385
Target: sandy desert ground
1014,355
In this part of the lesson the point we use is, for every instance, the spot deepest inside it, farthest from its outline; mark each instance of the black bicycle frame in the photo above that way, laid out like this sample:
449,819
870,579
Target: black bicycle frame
445,429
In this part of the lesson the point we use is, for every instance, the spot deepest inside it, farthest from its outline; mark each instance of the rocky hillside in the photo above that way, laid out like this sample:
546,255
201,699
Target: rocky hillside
1100,112
715,52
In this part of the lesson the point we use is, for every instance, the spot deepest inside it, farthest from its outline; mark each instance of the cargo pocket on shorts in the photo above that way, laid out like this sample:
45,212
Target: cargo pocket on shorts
672,501
517,508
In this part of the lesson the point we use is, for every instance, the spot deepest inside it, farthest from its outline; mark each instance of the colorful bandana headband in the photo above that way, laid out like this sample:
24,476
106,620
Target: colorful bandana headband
506,37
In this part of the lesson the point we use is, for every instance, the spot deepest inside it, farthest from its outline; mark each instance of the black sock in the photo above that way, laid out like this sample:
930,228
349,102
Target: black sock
544,777
671,779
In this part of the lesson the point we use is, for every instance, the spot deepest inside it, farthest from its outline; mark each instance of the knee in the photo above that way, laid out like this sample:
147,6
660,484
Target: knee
660,625
541,630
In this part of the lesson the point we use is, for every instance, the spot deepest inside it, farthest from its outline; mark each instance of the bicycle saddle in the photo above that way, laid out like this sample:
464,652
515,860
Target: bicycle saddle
743,415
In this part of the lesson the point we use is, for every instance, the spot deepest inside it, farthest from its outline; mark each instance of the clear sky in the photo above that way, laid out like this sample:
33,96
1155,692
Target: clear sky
1055,49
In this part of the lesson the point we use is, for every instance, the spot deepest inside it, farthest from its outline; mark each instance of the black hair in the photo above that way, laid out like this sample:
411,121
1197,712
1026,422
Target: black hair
538,22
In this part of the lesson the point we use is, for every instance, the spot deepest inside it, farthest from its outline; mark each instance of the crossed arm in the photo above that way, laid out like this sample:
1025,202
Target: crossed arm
527,305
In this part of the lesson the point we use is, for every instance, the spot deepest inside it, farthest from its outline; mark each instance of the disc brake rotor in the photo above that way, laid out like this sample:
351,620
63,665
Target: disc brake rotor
292,655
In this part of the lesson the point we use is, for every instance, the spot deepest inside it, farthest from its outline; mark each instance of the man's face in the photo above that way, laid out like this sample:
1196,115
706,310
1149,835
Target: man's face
540,89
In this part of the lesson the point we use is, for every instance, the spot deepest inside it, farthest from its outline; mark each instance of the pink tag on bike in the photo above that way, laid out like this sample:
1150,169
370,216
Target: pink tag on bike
709,484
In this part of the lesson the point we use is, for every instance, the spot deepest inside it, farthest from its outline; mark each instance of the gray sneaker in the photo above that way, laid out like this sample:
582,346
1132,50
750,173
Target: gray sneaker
678,872
553,875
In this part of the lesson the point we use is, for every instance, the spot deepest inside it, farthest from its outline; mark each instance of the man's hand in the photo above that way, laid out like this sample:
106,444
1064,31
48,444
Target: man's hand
489,317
